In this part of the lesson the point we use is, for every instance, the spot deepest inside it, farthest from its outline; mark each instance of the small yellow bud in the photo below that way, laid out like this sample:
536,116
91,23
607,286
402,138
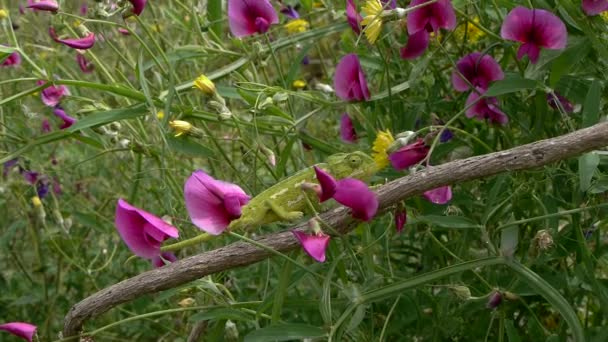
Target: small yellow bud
160,115
76,23
36,202
299,84
297,26
204,84
181,127
3,13
186,302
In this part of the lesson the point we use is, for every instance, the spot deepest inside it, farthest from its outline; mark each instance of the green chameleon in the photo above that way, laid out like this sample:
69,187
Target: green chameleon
286,200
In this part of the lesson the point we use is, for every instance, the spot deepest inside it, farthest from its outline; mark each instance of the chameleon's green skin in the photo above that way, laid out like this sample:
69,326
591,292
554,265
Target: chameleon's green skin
285,201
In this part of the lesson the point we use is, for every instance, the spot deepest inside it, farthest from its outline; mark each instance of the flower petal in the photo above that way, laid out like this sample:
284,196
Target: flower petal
409,155
138,6
43,5
24,330
158,261
440,195
85,65
485,108
594,7
349,79
400,220
314,245
353,17
67,120
13,60
479,70
431,17
246,17
417,43
517,25
347,130
327,182
75,43
549,30
356,195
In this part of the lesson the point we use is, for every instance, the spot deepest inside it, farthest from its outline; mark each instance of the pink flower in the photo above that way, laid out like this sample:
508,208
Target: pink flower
212,203
594,7
535,28
314,244
347,131
46,126
350,192
247,17
400,220
479,70
75,43
142,231
349,79
440,195
424,20
124,31
52,95
67,120
485,108
160,260
85,65
13,60
84,8
409,155
353,17
43,5
21,329
566,105
138,6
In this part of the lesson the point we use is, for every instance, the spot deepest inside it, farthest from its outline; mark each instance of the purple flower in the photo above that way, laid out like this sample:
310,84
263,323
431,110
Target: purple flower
400,220
84,8
350,192
142,231
535,28
159,260
53,94
46,126
67,120
30,176
75,43
43,5
353,17
314,244
138,6
212,203
124,31
13,60
349,79
424,20
290,11
21,329
8,166
56,186
392,4
446,136
494,300
594,7
246,17
485,108
409,155
479,70
347,131
440,195
85,65
566,105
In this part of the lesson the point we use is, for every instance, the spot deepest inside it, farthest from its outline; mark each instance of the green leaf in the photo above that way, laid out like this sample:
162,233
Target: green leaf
511,331
510,85
285,332
214,15
448,221
587,164
591,108
189,147
564,63
97,119
222,313
509,240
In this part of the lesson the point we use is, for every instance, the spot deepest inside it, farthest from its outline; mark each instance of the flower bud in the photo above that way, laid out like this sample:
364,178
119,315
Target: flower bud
494,300
461,292
299,84
543,240
3,13
186,302
231,333
204,84
180,127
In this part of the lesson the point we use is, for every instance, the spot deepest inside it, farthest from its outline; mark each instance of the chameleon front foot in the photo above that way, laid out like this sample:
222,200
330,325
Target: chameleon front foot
283,214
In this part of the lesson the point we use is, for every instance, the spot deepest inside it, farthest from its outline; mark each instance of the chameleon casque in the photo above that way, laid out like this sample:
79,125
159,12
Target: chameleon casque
285,201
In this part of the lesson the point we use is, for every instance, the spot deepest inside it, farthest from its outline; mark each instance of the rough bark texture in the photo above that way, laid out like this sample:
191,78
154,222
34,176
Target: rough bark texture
241,254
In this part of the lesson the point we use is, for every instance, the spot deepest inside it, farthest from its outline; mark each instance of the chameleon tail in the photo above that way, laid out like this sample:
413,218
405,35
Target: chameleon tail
187,243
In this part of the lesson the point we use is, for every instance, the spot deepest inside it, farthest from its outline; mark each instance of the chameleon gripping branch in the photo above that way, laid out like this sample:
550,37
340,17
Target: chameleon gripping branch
238,254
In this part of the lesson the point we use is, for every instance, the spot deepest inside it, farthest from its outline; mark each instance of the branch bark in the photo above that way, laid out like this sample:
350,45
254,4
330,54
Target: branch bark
241,253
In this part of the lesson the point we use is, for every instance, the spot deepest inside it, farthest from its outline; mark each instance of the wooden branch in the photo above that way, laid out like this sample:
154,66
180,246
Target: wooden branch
241,253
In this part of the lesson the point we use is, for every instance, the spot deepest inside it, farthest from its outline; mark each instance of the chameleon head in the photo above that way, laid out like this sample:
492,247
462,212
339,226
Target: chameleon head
356,165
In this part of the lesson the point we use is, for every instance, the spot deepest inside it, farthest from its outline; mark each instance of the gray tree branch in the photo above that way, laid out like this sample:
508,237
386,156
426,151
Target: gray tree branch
241,253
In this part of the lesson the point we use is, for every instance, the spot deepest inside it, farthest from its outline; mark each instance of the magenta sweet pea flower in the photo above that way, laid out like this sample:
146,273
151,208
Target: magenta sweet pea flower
353,17
314,244
424,20
594,7
85,65
84,8
389,4
347,130
43,5
440,195
485,108
247,17
138,6
163,259
13,60
479,70
52,95
409,155
46,126
350,192
67,120
400,220
75,43
349,79
21,329
212,203
290,11
124,31
535,28
141,231
566,105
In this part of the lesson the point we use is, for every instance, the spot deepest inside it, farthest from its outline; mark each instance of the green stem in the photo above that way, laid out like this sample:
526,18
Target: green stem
204,237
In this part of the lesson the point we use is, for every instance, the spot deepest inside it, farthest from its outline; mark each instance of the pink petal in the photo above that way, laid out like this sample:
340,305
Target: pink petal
211,203
417,43
44,5
353,17
79,43
479,70
431,17
549,30
67,120
327,182
594,7
52,95
314,245
85,65
567,106
349,79
142,231
13,60
138,6
440,195
409,155
157,261
247,17
392,4
485,108
347,130
24,330
356,195
400,220
517,25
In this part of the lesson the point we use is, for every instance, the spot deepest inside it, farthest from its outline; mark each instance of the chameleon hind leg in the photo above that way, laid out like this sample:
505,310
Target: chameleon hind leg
283,214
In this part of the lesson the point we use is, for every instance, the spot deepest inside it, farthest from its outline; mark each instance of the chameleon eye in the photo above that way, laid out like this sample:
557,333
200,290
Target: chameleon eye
354,160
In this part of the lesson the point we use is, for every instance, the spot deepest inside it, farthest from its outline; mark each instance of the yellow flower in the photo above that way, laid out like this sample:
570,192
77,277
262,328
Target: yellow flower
204,84
76,23
3,13
297,26
299,84
473,32
160,115
604,15
383,140
36,202
181,127
373,19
